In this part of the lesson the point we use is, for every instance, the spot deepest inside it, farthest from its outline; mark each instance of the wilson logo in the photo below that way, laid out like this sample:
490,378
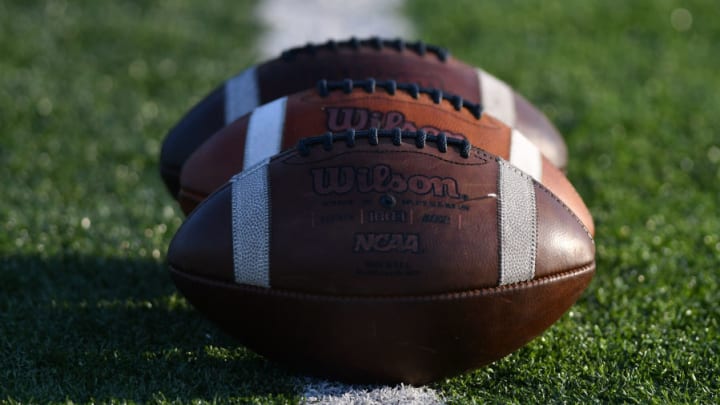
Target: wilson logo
380,179
386,242
343,118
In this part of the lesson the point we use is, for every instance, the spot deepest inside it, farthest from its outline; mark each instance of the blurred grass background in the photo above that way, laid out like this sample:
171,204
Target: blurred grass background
88,90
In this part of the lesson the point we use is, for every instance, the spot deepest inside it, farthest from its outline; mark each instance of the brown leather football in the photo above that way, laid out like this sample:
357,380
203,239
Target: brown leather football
383,256
300,68
341,105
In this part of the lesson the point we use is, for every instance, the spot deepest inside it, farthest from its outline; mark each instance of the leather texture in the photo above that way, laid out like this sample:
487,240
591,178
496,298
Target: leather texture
414,340
310,113
384,263
283,76
212,167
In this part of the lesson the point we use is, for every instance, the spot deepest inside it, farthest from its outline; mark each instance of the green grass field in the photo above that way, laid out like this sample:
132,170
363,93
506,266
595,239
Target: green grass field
88,89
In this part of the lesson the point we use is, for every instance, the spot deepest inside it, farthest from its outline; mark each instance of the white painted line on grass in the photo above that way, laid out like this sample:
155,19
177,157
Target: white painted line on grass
291,23
329,393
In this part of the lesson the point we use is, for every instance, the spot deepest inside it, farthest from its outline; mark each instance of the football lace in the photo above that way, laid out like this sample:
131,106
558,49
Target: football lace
399,45
373,135
324,88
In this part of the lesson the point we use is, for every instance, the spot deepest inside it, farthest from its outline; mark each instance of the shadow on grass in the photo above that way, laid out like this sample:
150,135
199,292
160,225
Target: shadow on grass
85,328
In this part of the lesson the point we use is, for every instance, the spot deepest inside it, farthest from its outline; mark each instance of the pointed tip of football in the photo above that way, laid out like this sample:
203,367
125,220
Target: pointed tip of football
212,164
203,246
196,126
564,243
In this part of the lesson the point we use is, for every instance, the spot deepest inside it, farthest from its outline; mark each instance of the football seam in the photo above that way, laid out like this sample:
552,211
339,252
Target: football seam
391,87
195,195
554,197
420,48
472,293
485,159
373,135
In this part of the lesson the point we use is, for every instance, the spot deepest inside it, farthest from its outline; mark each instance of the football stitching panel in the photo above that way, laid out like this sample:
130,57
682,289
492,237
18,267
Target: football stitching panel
376,43
346,100
480,162
391,87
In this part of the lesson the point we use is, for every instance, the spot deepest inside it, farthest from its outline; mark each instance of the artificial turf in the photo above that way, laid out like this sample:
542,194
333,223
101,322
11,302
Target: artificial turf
635,91
88,90
88,312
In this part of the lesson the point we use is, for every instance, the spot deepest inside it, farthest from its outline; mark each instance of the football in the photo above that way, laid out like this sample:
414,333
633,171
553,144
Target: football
362,104
300,68
383,256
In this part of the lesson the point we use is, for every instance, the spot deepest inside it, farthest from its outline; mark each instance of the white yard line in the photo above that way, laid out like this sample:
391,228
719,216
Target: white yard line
331,393
291,23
